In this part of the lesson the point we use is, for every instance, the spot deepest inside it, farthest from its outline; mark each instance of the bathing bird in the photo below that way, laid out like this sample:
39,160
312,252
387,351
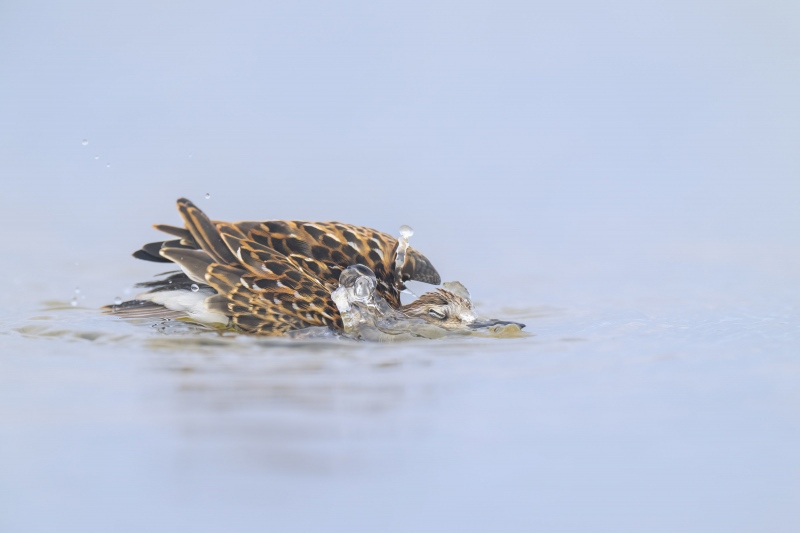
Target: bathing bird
277,276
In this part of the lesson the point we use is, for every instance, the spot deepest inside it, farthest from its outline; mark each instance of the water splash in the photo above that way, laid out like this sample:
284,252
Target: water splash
367,316
457,288
402,247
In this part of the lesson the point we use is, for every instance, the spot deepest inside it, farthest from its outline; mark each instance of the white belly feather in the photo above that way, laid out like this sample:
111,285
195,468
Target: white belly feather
189,302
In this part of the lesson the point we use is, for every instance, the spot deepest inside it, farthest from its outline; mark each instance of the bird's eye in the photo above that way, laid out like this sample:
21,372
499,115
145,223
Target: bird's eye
437,314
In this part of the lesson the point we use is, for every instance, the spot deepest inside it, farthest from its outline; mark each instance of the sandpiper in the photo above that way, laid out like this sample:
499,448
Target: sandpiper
275,277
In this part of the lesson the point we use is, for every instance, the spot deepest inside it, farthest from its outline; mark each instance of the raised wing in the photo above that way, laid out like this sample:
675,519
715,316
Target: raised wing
275,276
319,249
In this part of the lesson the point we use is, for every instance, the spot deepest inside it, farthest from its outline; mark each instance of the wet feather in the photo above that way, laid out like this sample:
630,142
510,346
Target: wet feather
274,276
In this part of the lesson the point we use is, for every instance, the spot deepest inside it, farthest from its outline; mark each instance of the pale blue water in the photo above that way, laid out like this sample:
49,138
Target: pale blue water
622,178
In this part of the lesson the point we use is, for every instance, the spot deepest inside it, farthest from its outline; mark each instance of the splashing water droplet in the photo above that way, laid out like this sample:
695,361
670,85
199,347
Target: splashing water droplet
96,157
402,246
77,290
457,288
74,302
409,292
195,288
117,300
108,165
208,196
85,142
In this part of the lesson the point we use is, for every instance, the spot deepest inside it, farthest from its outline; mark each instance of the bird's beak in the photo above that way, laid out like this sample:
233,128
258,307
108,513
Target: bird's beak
479,324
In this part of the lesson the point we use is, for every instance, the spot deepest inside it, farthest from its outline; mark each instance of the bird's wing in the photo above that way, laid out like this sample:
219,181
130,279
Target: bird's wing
266,293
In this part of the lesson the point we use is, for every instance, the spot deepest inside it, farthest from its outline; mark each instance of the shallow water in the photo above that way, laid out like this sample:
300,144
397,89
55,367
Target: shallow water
621,178
653,416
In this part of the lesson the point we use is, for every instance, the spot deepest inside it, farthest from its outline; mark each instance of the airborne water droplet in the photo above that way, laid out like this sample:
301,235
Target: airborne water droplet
74,302
77,290
117,300
195,288
402,246
85,142
208,196
108,165
96,157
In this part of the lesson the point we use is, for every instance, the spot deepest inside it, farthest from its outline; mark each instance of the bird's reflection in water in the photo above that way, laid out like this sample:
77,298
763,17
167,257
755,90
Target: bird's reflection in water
293,406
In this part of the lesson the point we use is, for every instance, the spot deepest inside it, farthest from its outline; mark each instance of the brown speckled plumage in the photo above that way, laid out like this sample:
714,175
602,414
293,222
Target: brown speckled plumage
276,276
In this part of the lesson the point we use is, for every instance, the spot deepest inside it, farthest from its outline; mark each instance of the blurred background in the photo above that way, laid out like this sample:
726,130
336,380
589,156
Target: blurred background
609,160
509,135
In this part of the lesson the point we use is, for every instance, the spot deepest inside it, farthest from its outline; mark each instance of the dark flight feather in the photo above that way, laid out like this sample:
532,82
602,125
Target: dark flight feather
141,309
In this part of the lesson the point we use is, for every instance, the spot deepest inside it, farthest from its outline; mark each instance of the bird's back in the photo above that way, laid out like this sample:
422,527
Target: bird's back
275,276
